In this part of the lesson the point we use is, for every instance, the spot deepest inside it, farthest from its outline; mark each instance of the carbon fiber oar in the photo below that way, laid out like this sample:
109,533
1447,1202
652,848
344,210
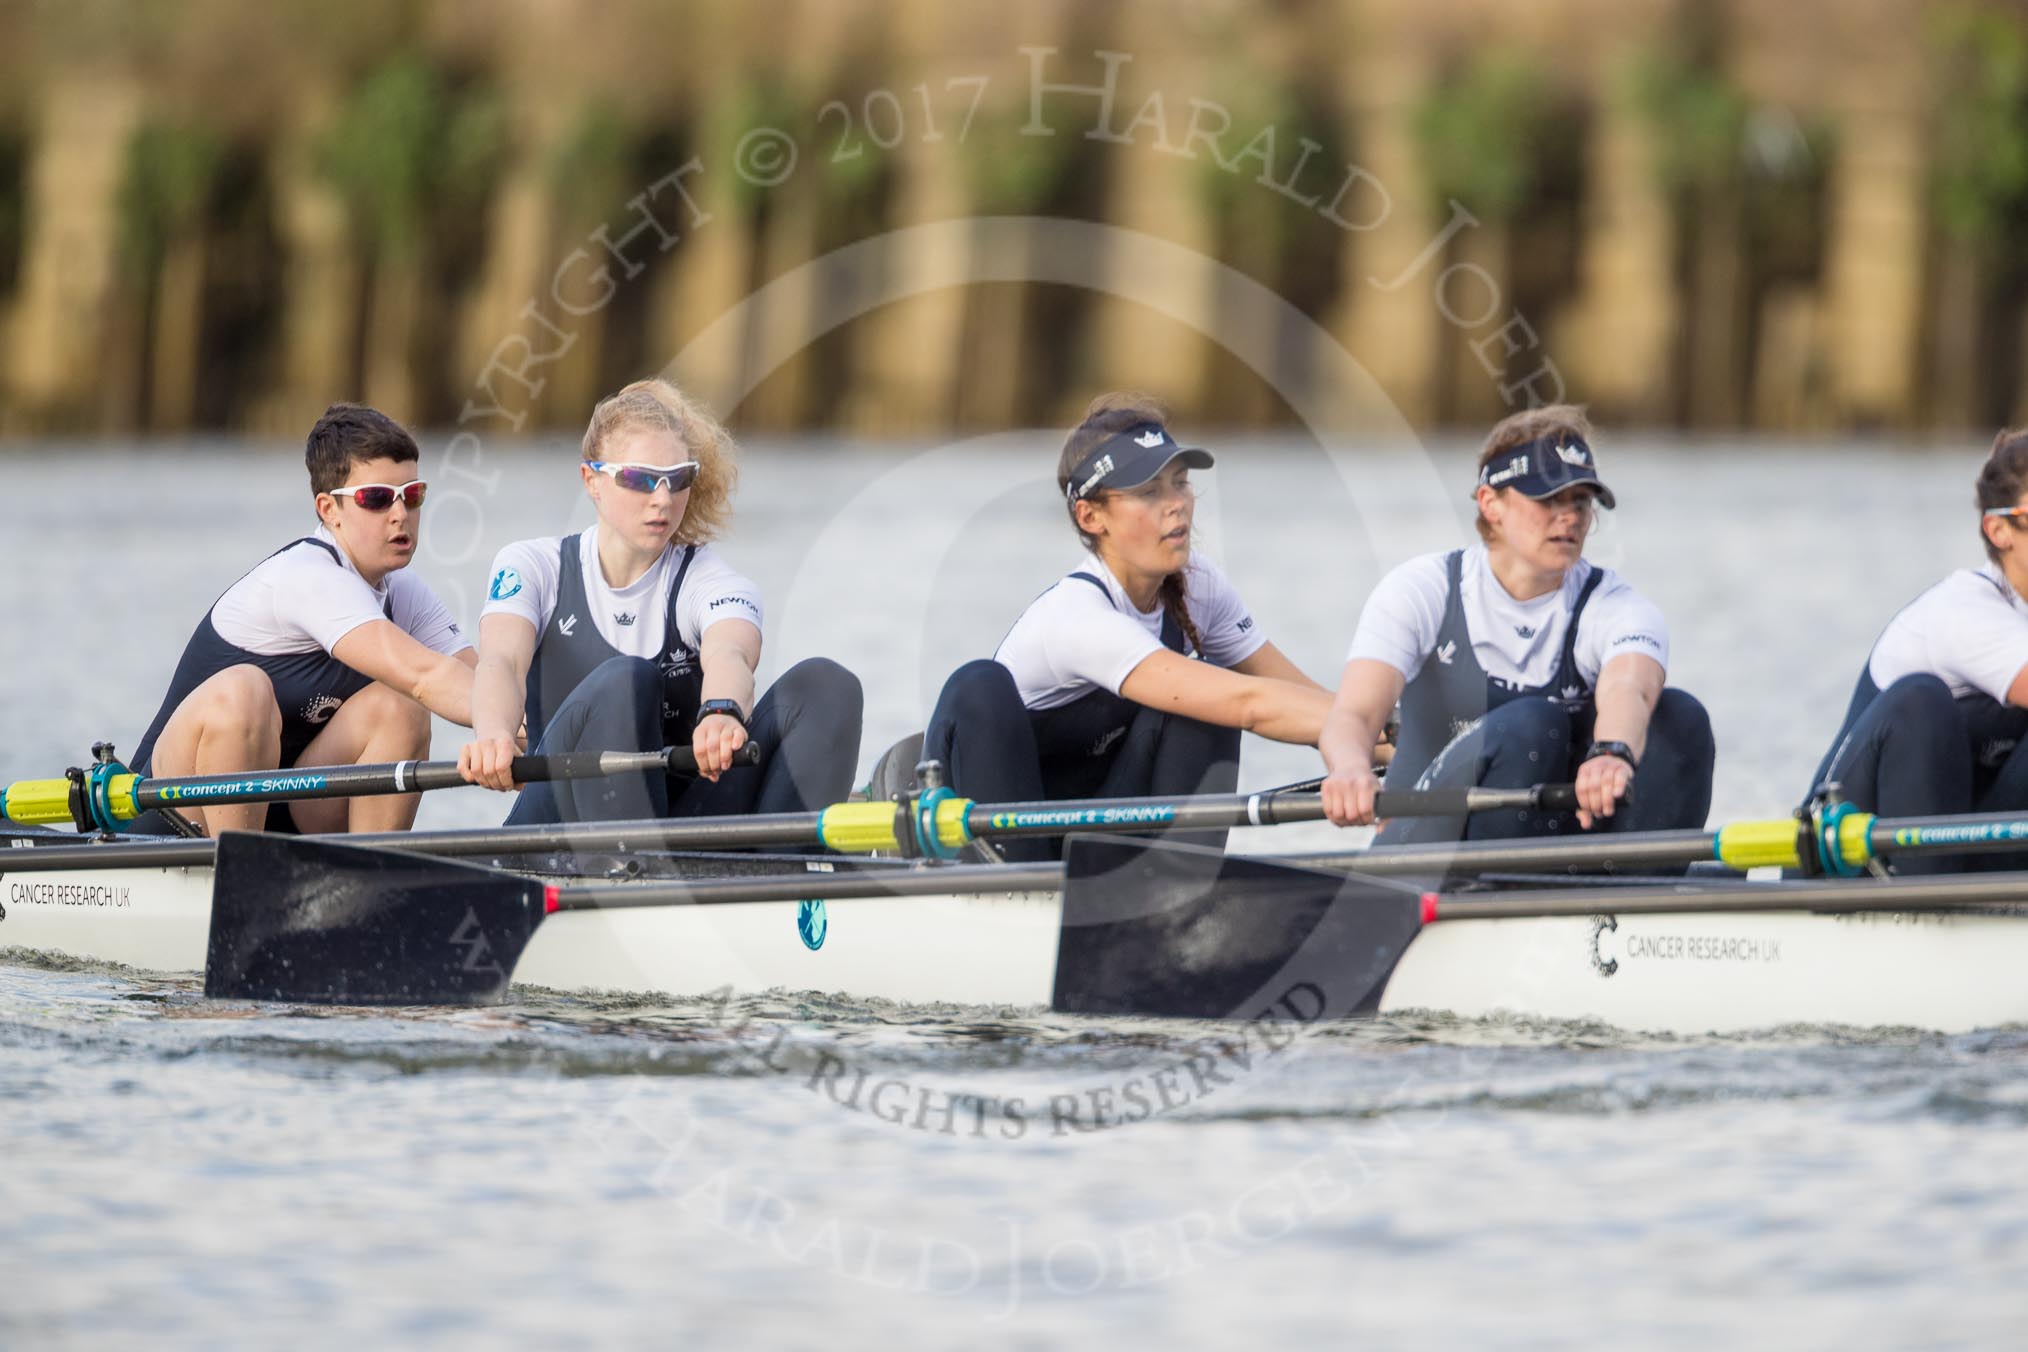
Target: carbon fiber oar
927,824
1837,842
108,794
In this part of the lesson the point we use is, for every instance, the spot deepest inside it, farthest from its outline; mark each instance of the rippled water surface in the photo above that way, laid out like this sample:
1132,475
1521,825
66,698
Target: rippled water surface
572,1170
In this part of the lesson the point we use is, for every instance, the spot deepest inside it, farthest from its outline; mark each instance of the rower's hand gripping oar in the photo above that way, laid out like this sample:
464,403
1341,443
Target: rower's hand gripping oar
108,794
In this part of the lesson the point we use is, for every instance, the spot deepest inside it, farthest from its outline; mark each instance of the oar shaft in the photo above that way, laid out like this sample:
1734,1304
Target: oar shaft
47,802
688,833
1213,812
1553,854
866,826
1842,896
1953,835
956,880
349,781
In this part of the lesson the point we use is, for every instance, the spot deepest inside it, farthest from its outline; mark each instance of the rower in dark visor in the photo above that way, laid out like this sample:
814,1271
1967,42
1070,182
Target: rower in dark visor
1516,661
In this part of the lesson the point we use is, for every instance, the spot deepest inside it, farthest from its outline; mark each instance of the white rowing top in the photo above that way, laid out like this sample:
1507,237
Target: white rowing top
1970,630
1516,642
299,601
632,619
1074,638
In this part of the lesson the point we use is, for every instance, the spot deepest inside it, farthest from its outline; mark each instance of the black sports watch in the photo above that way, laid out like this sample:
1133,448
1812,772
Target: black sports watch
1620,749
728,707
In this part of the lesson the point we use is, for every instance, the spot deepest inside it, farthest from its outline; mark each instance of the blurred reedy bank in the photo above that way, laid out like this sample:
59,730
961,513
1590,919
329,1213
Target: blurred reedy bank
223,214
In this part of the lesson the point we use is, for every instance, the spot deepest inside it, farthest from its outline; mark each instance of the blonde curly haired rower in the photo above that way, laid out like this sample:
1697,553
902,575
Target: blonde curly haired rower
636,634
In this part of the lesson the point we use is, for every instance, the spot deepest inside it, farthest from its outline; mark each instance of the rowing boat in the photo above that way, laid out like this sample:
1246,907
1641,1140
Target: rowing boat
1714,956
158,919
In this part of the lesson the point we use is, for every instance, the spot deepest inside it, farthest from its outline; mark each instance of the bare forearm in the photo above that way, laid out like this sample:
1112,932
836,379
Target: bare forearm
1283,711
1274,664
445,689
1625,704
728,674
498,701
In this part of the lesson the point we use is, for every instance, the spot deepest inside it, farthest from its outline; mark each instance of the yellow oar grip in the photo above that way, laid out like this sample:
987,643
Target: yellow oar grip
46,802
1745,845
37,802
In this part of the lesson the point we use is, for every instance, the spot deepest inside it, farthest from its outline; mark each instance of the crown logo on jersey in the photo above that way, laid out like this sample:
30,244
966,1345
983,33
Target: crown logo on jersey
1149,439
623,618
1573,693
1525,630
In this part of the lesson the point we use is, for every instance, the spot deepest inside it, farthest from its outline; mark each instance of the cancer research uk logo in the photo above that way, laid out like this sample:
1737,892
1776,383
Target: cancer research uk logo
320,708
506,583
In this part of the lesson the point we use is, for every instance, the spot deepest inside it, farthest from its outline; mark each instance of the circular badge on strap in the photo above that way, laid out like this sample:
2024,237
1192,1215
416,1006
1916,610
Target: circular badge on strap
812,923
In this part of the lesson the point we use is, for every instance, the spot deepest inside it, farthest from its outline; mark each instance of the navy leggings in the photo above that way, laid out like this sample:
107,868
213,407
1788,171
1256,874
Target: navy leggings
1911,754
1533,740
806,725
986,741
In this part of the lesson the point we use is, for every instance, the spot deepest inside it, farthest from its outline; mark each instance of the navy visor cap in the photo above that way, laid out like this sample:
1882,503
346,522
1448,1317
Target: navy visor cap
1129,459
1545,467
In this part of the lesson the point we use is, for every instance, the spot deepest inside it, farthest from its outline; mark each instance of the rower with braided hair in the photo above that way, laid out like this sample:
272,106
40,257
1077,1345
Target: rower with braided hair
1133,675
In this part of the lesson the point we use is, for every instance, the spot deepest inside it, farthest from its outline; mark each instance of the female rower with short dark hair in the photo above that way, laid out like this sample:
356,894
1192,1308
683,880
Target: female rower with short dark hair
636,634
1518,662
328,652
1134,674
1937,724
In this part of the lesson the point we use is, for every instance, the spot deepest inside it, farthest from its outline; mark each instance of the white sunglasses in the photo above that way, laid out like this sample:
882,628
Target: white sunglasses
380,497
648,478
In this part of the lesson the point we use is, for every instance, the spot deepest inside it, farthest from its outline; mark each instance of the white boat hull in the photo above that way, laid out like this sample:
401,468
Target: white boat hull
1947,972
1680,973
991,949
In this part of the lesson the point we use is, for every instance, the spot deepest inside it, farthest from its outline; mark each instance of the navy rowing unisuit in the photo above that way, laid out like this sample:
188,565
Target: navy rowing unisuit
1045,719
285,616
618,669
1929,730
1500,694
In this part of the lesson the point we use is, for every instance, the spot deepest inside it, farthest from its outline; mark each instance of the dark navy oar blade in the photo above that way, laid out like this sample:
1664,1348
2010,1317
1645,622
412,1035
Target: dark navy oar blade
1152,928
315,922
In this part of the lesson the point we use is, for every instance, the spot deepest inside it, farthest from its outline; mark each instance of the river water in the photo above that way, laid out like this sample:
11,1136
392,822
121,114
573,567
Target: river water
583,1171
